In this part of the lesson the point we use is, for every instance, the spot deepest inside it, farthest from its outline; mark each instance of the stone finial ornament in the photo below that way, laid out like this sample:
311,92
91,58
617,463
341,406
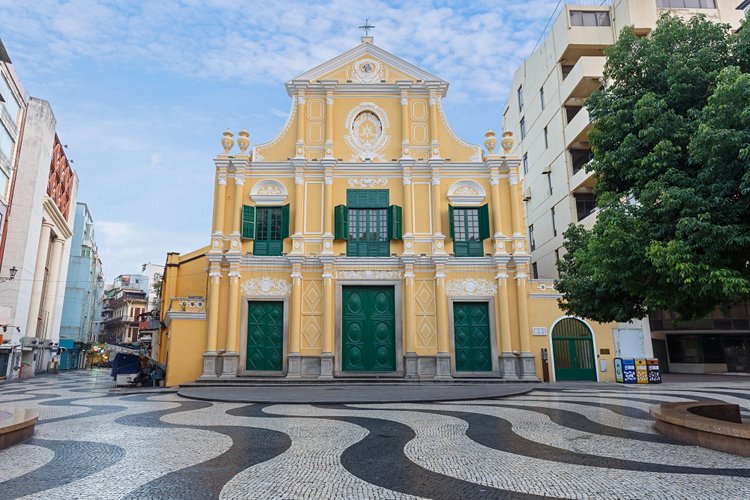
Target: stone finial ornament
490,142
507,142
227,141
243,141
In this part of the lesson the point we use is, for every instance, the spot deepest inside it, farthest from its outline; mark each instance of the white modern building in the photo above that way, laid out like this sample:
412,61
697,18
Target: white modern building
546,113
38,245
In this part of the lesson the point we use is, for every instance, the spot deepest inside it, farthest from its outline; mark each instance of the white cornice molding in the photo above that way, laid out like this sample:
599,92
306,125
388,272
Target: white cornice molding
363,50
62,229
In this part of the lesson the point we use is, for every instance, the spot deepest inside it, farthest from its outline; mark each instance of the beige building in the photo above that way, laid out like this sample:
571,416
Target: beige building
545,111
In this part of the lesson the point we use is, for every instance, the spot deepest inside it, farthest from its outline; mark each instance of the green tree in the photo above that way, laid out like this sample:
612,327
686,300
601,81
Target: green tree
671,155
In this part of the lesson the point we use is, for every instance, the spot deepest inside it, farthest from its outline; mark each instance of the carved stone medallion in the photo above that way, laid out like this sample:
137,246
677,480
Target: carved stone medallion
266,286
470,287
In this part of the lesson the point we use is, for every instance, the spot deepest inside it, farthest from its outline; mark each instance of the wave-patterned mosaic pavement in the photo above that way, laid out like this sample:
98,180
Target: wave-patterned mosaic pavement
582,442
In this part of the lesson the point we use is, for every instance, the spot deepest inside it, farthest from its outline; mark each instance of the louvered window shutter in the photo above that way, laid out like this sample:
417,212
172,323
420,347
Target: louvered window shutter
285,221
248,221
450,222
341,222
394,223
484,222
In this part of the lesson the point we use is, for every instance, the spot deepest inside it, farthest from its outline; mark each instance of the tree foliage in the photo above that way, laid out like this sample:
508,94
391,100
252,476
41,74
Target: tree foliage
671,155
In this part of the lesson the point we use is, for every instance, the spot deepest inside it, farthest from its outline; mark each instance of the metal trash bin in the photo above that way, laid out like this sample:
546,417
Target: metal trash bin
641,371
628,371
654,372
618,371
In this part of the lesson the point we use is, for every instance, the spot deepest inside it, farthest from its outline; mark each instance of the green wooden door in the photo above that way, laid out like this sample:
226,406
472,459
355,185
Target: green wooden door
265,336
368,329
574,351
471,331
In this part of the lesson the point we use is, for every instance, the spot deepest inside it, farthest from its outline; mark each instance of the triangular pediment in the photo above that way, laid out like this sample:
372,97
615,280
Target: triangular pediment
368,63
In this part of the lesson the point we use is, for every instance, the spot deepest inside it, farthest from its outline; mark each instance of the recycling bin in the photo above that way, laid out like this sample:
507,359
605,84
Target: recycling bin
641,371
654,373
618,371
628,371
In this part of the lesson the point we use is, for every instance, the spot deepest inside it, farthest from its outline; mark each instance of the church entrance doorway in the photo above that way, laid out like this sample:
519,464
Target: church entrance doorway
368,327
471,331
573,350
265,336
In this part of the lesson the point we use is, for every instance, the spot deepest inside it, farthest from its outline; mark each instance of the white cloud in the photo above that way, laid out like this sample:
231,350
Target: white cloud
145,167
475,46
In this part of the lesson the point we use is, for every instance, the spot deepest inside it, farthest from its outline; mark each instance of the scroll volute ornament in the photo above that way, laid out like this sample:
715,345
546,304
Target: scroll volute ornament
227,141
243,141
490,142
507,142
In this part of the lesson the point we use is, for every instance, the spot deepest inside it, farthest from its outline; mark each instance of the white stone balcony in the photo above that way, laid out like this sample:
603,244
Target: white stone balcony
584,78
576,131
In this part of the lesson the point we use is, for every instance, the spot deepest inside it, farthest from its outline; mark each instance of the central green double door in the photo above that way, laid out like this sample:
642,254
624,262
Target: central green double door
472,337
368,329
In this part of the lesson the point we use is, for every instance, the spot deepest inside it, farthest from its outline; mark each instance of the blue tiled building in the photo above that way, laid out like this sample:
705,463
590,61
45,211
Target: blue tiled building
83,293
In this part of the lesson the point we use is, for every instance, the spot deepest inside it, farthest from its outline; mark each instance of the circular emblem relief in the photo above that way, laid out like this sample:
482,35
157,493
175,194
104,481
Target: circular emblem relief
366,71
367,127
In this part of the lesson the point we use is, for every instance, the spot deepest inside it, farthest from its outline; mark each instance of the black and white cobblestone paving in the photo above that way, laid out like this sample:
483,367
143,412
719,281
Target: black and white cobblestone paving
555,442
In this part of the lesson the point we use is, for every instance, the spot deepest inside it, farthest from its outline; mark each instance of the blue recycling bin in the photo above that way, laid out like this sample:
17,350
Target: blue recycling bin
628,371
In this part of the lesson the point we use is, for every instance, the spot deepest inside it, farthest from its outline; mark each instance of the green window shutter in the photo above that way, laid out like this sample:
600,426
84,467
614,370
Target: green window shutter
248,221
285,221
394,222
341,222
484,222
367,198
450,222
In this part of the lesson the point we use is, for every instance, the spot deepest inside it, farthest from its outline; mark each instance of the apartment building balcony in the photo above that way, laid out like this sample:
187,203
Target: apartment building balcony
582,181
574,40
588,221
577,129
584,78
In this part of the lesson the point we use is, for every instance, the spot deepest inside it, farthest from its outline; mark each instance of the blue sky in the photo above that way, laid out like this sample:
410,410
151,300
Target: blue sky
142,90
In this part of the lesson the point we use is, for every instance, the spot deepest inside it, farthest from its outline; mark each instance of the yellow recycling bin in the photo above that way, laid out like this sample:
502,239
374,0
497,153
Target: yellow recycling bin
641,371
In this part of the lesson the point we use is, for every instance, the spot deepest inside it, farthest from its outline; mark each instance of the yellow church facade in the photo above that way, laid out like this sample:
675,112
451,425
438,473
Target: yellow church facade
368,240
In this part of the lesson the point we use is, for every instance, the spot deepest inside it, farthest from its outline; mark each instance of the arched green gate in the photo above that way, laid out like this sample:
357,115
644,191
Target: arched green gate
573,350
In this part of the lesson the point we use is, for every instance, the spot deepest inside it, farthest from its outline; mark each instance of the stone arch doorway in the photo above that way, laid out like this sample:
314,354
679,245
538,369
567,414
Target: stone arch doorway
573,350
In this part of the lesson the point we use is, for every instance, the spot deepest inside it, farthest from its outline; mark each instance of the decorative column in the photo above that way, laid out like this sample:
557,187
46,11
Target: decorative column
294,364
239,188
231,355
507,358
53,277
328,166
434,135
299,208
329,124
408,235
405,141
38,284
527,369
212,303
300,144
326,360
438,238
493,165
443,335
220,202
410,319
